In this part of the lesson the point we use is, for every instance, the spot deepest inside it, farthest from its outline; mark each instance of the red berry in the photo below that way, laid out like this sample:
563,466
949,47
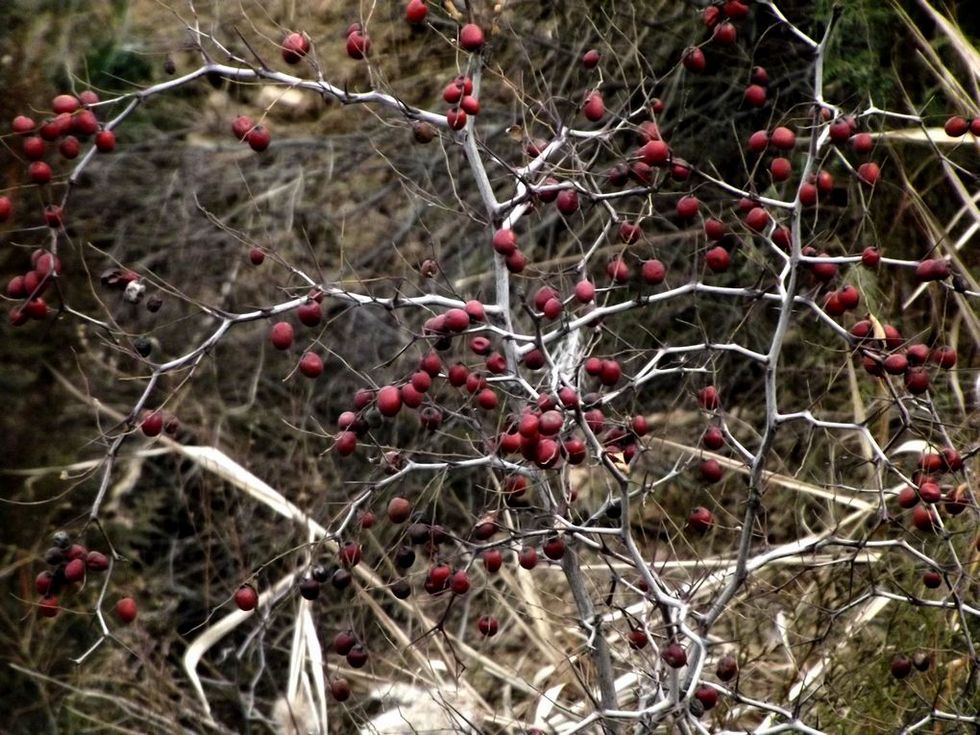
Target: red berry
808,194
783,138
358,45
453,92
241,125
700,519
258,138
724,34
944,357
70,147
932,269
896,364
674,655
917,381
65,103
547,453
590,59
39,172
471,37
152,423
757,219
755,95
487,399
618,271
727,668
713,438
901,666
416,11
528,558
718,259
758,141
594,107
849,297
707,696
629,232
554,548
907,497
610,372
505,241
924,519
735,9
340,690
311,365
711,471
22,125
930,492
488,625
459,583
346,443
655,153
126,610
350,554
246,597
585,291
693,60
84,123
637,639
399,509
389,400
956,126
75,570
475,310
105,141
780,168
43,582
708,398
567,201
516,262
823,271
48,607
309,314
687,207
343,642
870,257
868,173
840,131
862,143
281,335
456,118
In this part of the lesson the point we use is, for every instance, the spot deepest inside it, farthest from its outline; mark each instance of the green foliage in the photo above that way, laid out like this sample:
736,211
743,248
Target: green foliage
861,52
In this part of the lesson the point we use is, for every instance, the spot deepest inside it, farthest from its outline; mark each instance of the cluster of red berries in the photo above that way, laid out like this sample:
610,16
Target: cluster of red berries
957,127
928,493
282,334
73,122
30,286
459,94
370,408
68,564
901,665
245,130
154,422
885,352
